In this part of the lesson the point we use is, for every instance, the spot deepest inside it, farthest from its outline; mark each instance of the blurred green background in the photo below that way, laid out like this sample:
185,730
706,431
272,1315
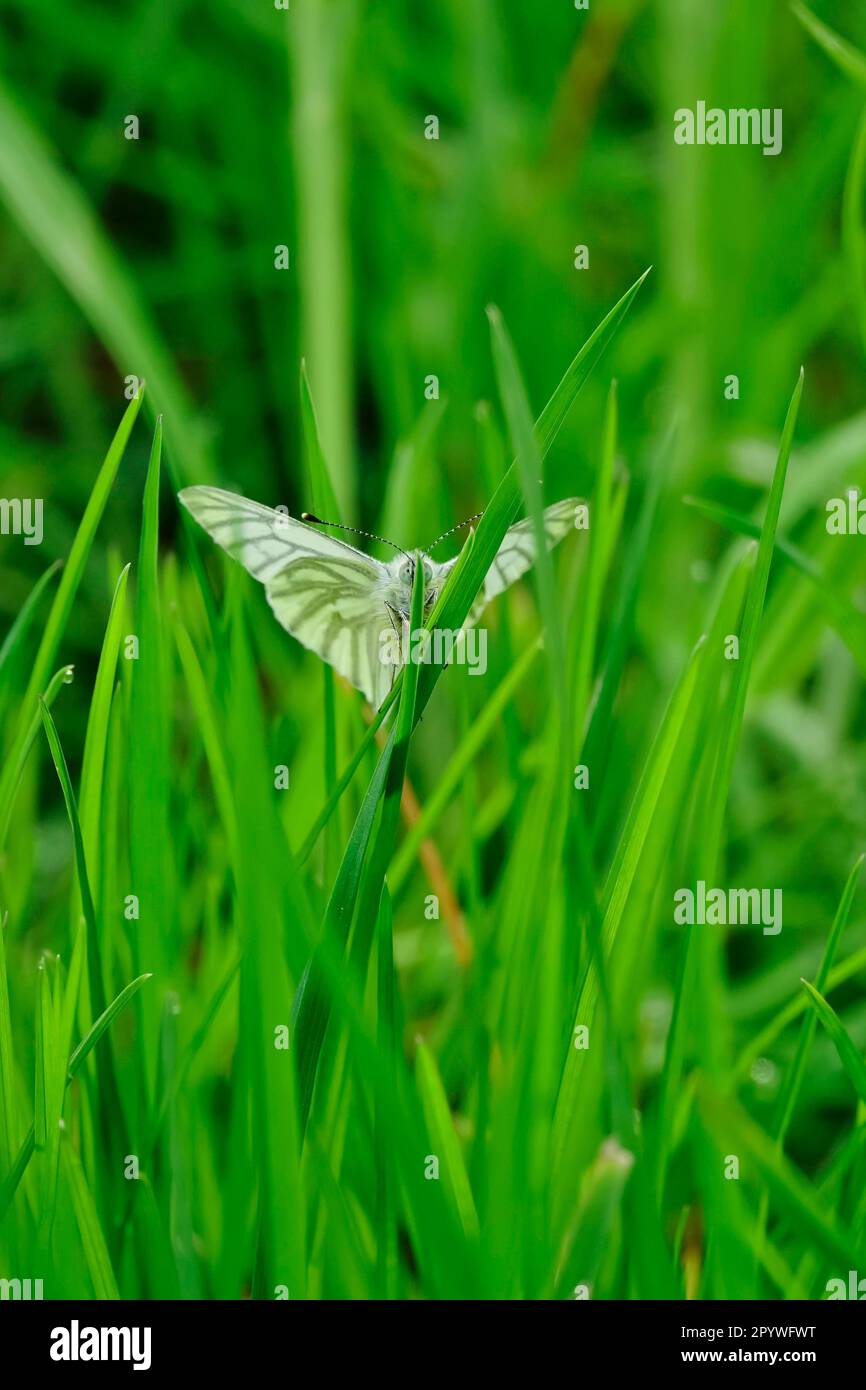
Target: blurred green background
261,128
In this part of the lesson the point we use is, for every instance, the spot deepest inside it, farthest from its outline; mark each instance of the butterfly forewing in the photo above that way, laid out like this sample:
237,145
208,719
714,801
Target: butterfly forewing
518,552
325,593
264,541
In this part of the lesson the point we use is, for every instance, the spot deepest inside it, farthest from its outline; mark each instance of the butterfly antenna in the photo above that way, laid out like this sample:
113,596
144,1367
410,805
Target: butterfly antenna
356,531
458,527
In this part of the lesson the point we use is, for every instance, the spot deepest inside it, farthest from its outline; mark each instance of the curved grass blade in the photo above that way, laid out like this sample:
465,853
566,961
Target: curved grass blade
43,197
20,629
847,58
105,1020
790,1089
74,567
443,1138
21,749
63,600
849,1055
763,1041
838,609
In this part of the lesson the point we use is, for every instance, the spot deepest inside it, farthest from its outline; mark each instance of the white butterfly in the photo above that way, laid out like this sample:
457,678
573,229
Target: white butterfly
336,600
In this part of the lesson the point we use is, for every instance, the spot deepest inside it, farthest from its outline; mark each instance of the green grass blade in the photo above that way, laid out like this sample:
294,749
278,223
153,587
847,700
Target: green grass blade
50,1088
761,1043
96,738
849,1056
21,627
599,557
730,734
853,236
444,1143
8,1108
529,465
62,770
323,498
42,196
64,599
92,1239
794,1076
839,610
152,869
210,731
17,758
81,546
387,1262
105,1020
318,45
847,58
323,504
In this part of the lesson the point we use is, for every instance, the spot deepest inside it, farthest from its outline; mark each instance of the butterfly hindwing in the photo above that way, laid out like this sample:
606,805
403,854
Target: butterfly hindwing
328,606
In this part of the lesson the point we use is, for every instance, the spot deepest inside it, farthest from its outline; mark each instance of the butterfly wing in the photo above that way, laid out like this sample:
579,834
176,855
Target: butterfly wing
332,607
327,594
264,541
518,552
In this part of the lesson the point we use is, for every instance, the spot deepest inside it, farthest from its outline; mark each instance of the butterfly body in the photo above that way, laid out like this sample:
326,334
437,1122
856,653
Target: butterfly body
398,591
338,601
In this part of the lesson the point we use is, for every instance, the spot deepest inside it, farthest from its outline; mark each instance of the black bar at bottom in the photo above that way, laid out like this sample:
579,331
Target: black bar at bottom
87,1339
